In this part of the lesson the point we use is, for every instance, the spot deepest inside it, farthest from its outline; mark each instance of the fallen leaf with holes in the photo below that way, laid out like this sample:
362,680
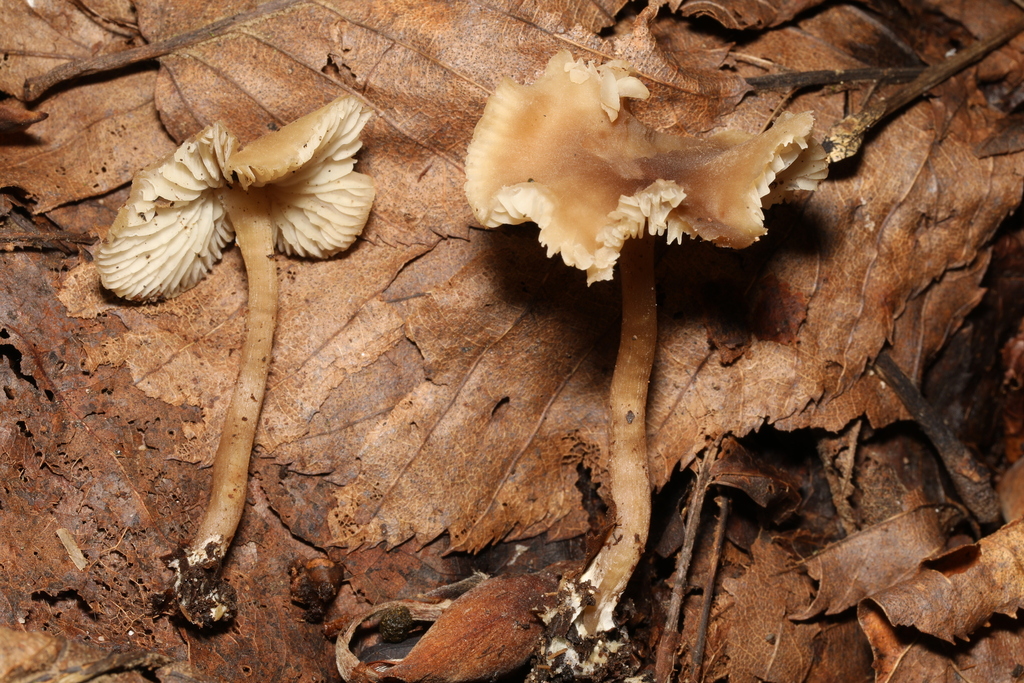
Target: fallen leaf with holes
95,138
347,325
373,360
97,134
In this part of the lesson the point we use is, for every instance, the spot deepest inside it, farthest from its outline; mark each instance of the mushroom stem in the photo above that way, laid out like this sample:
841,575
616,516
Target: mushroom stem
628,478
254,232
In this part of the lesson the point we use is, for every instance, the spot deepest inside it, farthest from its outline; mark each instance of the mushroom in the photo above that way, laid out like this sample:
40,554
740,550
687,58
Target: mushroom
566,153
294,187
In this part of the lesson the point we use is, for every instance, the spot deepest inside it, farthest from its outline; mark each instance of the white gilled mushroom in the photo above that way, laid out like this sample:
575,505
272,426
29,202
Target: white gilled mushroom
565,153
295,187
172,229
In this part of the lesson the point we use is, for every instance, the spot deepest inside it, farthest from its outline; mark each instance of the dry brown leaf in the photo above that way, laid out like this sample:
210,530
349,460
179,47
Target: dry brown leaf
117,16
40,35
764,644
336,360
1008,138
381,575
97,135
159,20
744,14
863,247
874,559
930,317
953,595
26,657
93,461
1011,492
767,485
16,119
95,138
896,473
484,635
903,655
841,655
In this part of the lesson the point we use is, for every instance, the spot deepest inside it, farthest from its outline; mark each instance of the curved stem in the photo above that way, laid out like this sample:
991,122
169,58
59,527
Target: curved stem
250,216
628,477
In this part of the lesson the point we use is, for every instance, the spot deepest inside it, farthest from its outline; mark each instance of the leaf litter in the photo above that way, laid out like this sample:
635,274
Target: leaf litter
442,387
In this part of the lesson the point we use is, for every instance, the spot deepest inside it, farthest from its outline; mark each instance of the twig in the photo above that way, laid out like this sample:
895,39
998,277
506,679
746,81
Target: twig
46,239
804,79
709,590
36,86
31,235
970,478
846,136
665,657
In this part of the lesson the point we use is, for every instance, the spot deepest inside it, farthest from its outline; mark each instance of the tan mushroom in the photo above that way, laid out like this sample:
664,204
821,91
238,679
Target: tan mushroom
566,153
295,187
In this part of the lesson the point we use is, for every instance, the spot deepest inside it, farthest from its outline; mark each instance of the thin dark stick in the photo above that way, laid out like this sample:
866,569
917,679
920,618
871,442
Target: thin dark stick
46,238
30,235
36,86
970,478
709,590
665,657
806,79
846,136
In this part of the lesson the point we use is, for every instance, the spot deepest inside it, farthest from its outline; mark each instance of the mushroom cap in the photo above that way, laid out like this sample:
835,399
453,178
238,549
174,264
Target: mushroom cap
565,153
172,229
319,205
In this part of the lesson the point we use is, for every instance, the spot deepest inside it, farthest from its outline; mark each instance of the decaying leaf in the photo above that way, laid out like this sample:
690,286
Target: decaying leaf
26,657
1007,139
903,655
15,119
766,485
484,634
954,594
41,35
764,644
325,368
841,655
740,14
874,559
116,130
